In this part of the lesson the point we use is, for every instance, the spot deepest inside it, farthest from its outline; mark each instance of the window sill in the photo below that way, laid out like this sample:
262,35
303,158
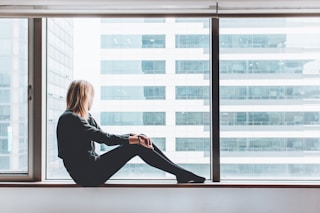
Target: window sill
170,184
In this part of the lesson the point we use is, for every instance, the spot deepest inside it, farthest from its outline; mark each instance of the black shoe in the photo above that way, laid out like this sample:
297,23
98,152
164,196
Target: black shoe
190,178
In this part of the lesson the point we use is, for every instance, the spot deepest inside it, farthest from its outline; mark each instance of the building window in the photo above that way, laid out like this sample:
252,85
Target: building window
132,118
270,118
270,92
133,67
192,118
121,41
132,41
153,41
193,144
261,66
192,92
153,66
252,41
133,93
192,41
192,66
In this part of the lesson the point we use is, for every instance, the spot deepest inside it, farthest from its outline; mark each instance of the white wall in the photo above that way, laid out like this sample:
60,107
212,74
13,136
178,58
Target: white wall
159,200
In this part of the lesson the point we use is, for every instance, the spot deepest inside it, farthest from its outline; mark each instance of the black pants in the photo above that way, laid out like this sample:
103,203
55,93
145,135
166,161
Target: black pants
106,165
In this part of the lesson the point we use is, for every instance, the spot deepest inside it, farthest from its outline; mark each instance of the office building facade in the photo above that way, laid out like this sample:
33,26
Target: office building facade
13,95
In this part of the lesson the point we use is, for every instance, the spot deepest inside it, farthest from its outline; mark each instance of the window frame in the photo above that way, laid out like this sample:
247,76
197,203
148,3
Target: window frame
34,105
210,83
37,96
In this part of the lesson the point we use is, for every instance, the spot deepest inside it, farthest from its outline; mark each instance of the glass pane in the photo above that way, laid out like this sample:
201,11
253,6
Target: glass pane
150,75
13,96
269,98
60,72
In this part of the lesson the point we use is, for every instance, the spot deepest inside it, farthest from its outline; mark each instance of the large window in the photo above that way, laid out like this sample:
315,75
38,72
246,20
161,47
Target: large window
148,79
14,96
155,76
269,98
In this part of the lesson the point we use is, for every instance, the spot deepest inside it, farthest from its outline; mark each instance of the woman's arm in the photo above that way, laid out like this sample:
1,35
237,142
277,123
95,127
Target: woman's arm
95,133
111,139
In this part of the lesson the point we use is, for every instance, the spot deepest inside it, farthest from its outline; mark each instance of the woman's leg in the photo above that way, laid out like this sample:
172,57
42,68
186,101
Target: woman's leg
156,149
111,162
183,176
107,164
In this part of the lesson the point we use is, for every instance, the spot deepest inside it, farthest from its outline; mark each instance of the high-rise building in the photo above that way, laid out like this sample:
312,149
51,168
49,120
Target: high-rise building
155,79
13,95
59,75
269,98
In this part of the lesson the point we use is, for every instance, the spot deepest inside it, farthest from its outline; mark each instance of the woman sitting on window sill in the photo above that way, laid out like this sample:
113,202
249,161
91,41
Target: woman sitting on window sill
77,131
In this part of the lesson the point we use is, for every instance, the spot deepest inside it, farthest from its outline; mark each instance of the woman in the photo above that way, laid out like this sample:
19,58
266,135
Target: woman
77,131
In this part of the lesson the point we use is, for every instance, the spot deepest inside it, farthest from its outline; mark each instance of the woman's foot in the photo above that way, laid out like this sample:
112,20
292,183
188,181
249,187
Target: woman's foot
190,178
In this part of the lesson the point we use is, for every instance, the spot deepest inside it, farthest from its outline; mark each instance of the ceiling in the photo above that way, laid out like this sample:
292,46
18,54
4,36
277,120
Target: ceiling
157,6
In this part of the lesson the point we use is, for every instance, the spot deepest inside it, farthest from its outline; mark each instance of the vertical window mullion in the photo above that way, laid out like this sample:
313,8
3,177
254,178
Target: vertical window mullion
30,96
215,100
37,100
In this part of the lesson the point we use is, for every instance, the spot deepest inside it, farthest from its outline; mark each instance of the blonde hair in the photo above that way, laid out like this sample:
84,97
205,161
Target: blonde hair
78,97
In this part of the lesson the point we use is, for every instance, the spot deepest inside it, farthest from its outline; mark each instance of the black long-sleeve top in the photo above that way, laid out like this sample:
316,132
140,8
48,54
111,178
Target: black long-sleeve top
76,137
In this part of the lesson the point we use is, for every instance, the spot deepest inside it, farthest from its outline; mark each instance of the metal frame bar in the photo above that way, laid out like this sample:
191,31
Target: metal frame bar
37,100
215,112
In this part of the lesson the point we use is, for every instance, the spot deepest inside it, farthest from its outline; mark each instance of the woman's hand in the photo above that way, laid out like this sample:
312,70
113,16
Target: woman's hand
145,141
141,139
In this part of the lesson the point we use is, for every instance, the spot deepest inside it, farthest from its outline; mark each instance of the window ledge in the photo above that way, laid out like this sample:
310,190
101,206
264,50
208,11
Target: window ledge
170,184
